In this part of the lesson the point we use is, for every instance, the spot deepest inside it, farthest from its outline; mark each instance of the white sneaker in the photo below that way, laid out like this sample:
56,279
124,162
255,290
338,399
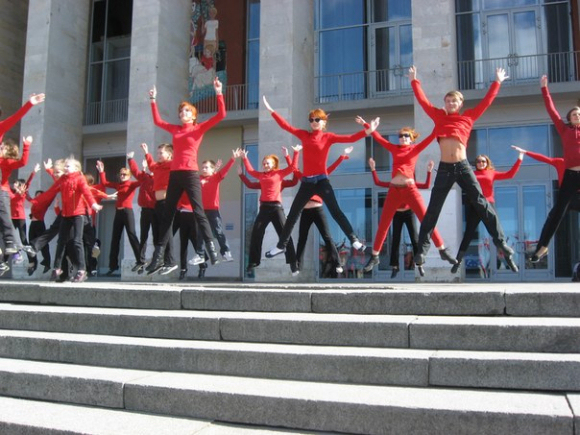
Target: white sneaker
274,251
296,273
227,256
196,260
96,251
358,246
339,269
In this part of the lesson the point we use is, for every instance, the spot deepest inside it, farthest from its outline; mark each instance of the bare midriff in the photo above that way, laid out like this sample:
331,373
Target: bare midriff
312,204
575,168
400,180
452,150
160,195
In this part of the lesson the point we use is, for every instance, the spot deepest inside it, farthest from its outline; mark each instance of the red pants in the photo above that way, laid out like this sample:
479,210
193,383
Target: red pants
398,197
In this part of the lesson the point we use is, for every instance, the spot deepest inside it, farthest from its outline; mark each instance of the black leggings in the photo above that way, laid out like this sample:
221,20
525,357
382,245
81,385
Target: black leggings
317,217
407,218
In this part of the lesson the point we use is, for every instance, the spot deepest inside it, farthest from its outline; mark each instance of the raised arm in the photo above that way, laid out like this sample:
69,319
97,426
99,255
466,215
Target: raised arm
550,108
376,179
221,113
427,183
344,156
11,121
249,184
513,171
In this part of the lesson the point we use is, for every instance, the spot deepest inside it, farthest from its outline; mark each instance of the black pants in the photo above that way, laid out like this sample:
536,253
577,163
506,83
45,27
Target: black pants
406,218
270,212
184,222
89,240
44,239
148,220
447,175
307,190
215,222
124,219
566,195
472,220
36,229
20,226
6,227
179,182
317,217
168,257
76,225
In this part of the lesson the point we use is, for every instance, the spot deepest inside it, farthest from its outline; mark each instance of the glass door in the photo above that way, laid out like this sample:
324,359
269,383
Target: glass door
391,54
512,40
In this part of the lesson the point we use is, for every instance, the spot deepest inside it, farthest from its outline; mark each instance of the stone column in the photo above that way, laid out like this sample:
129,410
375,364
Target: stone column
55,63
159,56
287,80
435,56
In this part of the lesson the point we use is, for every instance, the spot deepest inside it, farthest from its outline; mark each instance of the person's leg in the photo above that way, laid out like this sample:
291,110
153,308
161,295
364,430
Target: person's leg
278,220
215,222
6,227
321,223
262,220
398,220
471,222
306,220
63,237
145,223
131,234
118,224
409,221
326,192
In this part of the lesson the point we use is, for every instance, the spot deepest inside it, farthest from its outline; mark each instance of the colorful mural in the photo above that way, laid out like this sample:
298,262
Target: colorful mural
207,54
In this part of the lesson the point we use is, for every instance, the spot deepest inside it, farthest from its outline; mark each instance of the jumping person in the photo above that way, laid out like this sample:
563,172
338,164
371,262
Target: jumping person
570,135
184,174
486,175
316,145
403,190
403,216
452,130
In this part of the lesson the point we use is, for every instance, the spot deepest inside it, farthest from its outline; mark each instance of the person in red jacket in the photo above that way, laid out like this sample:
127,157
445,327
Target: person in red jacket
403,190
452,130
161,169
316,144
570,135
74,191
403,216
184,175
486,175
37,227
18,215
145,200
271,210
210,189
11,121
124,217
10,161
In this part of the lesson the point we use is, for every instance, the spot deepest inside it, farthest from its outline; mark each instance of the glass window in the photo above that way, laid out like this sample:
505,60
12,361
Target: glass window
391,10
357,161
340,13
253,54
251,204
504,4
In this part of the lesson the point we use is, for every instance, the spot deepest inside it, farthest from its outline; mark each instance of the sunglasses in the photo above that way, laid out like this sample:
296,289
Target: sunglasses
123,174
481,161
402,135
317,120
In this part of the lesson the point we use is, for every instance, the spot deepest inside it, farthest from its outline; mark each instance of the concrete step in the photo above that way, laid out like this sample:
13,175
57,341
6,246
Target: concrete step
536,299
31,417
371,366
293,404
515,334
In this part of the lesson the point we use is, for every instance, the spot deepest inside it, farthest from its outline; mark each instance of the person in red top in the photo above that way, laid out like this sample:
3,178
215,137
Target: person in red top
161,170
9,162
74,191
570,135
210,189
316,144
11,121
145,200
486,175
124,217
271,210
184,174
38,209
403,190
452,130
403,216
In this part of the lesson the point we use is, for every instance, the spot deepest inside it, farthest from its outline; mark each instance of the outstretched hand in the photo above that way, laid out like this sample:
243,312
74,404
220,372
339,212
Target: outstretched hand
27,139
544,81
145,148
36,99
348,150
153,93
373,125
430,165
48,164
100,166
360,120
372,164
412,73
297,148
217,85
36,168
501,75
267,105
130,154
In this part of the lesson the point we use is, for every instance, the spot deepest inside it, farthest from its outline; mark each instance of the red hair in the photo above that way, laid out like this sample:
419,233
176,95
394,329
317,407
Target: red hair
191,107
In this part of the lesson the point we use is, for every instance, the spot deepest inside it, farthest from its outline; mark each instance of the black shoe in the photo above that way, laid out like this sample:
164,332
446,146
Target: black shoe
446,256
137,266
503,247
274,252
455,267
373,261
202,269
394,272
421,270
182,274
46,268
511,264
156,262
419,259
213,256
32,269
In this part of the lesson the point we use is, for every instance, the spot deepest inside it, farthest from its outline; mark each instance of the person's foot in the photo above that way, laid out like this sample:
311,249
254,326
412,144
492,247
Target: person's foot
227,257
539,254
4,268
156,262
339,269
503,247
446,256
455,267
357,245
394,272
420,270
251,267
32,268
56,273
196,260
29,250
112,272
274,252
81,276
213,257
166,270
137,266
182,274
46,268
95,251
10,248
93,273
201,272
373,261
419,259
511,264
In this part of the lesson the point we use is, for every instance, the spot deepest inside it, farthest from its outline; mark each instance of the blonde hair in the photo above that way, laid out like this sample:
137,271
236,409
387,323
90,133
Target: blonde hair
74,162
454,94
11,149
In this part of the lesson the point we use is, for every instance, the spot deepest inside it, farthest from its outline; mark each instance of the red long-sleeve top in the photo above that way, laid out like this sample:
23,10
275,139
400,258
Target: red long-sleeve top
331,168
210,186
146,196
570,134
74,190
256,184
40,203
455,124
556,162
160,173
487,177
271,181
125,190
316,145
11,121
404,156
9,165
187,138
17,200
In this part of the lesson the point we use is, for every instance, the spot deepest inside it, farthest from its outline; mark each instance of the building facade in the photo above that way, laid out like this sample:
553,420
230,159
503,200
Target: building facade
97,59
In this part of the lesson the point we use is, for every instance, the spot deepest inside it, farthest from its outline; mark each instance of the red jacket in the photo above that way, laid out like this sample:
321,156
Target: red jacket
187,138
486,178
125,191
17,200
160,173
271,182
210,187
73,190
8,165
146,197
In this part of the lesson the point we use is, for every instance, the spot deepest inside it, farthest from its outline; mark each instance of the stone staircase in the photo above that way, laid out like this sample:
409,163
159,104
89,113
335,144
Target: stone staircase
121,358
